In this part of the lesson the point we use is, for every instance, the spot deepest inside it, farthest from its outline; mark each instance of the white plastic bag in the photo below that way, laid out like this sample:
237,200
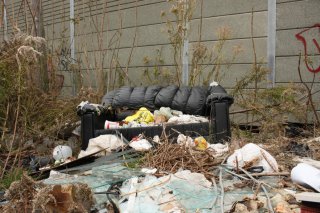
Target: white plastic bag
106,142
62,152
140,145
253,155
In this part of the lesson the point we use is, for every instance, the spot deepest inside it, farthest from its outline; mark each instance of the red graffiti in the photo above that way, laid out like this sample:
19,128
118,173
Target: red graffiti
302,38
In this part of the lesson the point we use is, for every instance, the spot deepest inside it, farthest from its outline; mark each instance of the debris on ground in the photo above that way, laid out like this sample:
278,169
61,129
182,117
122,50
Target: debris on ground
61,153
170,157
306,175
172,175
34,196
102,142
140,144
63,198
251,155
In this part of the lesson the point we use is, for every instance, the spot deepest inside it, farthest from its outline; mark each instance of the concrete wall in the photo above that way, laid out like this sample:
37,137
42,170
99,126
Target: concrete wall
103,29
294,17
120,16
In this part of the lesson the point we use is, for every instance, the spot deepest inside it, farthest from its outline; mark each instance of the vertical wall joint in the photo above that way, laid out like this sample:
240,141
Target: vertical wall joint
272,27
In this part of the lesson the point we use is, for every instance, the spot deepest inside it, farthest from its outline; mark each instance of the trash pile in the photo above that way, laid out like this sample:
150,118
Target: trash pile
142,117
170,174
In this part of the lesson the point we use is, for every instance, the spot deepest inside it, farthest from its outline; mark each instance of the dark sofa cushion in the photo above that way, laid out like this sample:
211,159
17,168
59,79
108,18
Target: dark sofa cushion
197,101
189,100
137,97
181,99
150,96
166,96
122,97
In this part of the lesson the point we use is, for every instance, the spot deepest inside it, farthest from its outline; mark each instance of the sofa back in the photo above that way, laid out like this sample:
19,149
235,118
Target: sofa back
189,100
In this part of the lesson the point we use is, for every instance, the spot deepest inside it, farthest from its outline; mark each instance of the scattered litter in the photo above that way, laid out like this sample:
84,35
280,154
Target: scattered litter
185,140
183,191
306,175
143,115
111,125
140,144
156,139
85,107
201,143
99,179
280,204
251,155
186,119
214,84
149,171
308,161
57,175
308,197
247,205
219,149
75,197
31,196
77,131
160,119
62,152
102,142
167,112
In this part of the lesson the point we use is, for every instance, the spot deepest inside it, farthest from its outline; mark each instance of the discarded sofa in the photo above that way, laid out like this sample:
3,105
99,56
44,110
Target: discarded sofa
212,102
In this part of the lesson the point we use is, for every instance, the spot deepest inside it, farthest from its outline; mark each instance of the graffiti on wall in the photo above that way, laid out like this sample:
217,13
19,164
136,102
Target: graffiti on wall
310,38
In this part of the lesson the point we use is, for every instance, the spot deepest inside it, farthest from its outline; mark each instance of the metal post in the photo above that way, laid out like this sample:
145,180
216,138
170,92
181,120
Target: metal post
272,27
5,22
72,29
185,52
72,47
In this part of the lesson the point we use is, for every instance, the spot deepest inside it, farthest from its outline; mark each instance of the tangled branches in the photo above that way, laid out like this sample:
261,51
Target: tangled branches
170,157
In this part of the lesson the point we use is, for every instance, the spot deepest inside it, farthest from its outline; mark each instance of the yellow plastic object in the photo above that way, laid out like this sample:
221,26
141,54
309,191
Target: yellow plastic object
201,143
142,116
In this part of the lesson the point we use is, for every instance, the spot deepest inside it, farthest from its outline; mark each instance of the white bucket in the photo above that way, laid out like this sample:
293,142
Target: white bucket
306,175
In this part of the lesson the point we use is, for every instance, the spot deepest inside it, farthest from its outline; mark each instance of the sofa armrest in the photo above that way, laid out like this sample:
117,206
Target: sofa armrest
90,122
219,97
219,104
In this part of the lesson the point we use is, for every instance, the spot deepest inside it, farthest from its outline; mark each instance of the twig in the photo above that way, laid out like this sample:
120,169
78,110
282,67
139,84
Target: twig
235,174
257,191
17,115
268,161
270,174
222,192
5,122
263,188
216,193
309,93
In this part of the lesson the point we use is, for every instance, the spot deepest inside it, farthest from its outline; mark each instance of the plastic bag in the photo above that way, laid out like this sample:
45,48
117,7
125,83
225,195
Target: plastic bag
251,155
142,116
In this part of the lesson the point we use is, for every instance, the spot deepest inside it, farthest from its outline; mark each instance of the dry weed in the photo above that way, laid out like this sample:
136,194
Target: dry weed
170,157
